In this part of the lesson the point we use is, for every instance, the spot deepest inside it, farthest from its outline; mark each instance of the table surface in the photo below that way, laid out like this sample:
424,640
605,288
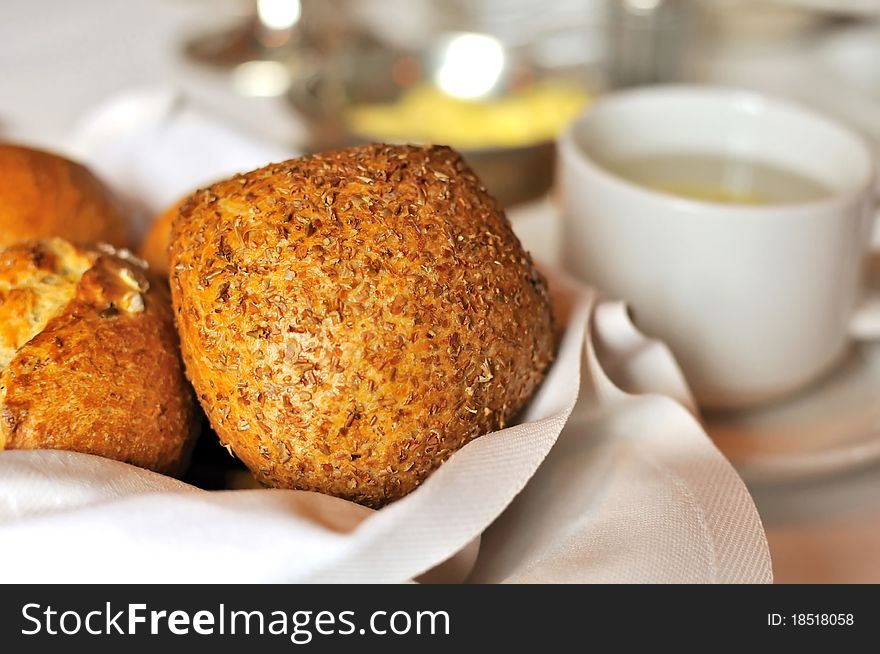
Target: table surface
58,59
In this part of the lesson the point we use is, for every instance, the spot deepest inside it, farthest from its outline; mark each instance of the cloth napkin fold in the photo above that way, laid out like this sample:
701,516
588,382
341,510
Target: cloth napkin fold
154,147
634,491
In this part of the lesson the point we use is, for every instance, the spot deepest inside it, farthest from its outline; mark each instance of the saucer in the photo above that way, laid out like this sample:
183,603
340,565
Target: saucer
831,427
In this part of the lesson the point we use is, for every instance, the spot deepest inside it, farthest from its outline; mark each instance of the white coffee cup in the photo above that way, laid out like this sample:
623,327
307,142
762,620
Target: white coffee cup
755,301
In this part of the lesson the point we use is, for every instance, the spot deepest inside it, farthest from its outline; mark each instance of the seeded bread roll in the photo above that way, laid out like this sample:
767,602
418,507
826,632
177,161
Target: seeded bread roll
351,319
154,249
89,357
43,195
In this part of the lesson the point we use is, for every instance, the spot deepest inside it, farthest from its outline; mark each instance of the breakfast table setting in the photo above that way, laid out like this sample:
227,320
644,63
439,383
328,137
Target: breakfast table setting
711,412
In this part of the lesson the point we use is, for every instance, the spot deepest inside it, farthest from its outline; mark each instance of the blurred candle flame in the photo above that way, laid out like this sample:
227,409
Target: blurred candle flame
279,14
471,65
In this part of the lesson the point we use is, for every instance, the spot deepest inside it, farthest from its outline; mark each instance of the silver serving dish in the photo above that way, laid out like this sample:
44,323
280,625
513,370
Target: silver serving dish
372,73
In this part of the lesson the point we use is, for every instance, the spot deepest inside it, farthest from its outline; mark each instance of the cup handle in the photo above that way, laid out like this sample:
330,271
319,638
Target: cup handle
865,325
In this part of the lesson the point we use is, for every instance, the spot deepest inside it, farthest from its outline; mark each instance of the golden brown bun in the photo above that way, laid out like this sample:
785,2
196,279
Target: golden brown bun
89,357
154,248
351,319
43,195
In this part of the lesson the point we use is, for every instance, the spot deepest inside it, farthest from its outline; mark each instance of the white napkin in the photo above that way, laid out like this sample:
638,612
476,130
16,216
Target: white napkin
633,492
154,147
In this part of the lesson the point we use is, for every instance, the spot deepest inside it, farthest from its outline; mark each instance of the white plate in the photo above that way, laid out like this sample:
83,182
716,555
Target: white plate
833,426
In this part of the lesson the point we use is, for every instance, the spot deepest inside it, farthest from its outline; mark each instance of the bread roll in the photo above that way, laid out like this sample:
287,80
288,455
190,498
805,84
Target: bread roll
154,249
89,358
351,319
43,195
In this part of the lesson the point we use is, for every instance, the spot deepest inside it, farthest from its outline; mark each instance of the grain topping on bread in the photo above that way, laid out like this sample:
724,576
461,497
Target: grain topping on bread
351,319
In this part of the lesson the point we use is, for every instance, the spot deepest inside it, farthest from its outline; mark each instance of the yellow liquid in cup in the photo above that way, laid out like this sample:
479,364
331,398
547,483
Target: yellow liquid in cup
718,179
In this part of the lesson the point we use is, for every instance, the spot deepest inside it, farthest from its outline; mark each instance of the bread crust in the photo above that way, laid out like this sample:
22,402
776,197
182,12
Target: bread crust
154,248
44,195
351,319
104,375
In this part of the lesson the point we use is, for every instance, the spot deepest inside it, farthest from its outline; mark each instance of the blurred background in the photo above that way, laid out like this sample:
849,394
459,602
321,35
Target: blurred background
497,79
